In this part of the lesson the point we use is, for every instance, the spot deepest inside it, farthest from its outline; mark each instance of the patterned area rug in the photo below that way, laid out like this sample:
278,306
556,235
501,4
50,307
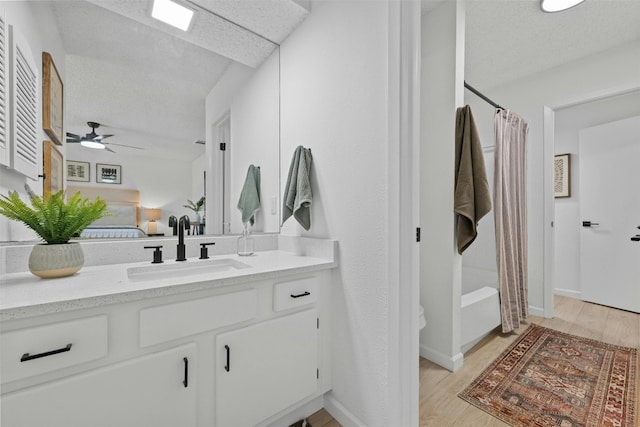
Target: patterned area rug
549,378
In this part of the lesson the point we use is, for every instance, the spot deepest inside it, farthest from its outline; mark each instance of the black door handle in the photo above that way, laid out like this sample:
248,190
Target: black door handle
186,372
227,367
26,357
304,294
589,223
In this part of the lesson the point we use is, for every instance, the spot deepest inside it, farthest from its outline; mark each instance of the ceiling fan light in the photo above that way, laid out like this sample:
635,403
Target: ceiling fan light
93,144
558,5
172,13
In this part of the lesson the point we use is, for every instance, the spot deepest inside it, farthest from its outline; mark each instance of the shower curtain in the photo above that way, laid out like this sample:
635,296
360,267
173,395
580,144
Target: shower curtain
510,200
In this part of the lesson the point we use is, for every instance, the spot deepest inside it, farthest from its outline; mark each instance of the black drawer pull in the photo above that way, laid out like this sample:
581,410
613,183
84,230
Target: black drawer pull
26,357
300,295
186,372
228,365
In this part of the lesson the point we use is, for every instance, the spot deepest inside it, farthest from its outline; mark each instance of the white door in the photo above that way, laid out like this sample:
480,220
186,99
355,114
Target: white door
265,368
610,211
146,391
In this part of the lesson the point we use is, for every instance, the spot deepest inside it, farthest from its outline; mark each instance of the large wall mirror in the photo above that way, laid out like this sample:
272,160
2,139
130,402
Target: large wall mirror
188,111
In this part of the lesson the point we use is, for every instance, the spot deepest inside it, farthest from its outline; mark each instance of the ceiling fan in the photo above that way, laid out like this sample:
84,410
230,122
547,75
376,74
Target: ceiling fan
93,140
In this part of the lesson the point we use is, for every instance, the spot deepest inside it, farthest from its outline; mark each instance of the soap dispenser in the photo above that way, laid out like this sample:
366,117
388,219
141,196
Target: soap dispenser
246,244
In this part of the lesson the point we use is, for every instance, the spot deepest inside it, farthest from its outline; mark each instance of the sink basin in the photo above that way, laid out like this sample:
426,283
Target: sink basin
186,268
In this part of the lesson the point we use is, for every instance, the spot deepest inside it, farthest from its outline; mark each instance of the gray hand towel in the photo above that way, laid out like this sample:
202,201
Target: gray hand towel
249,202
472,199
297,193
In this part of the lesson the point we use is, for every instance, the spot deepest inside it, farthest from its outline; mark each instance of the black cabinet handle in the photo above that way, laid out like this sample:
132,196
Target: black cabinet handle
636,238
186,372
228,365
300,295
26,357
589,224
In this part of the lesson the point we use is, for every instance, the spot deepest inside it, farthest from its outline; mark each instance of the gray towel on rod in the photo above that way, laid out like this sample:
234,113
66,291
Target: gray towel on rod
249,202
472,199
297,193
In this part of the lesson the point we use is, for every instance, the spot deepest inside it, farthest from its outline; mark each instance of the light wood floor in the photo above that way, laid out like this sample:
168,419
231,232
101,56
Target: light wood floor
440,405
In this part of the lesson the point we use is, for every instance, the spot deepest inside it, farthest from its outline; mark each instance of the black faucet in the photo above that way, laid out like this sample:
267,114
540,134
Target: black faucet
173,222
182,224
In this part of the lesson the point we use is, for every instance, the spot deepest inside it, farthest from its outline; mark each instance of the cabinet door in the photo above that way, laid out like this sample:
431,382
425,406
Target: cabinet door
264,368
146,391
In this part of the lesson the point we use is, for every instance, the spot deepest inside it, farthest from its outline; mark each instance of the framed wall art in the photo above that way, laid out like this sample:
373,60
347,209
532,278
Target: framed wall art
78,171
562,175
52,169
52,96
108,174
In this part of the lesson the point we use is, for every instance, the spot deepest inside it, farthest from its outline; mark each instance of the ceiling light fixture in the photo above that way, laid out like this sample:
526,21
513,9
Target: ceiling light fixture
558,5
93,144
172,13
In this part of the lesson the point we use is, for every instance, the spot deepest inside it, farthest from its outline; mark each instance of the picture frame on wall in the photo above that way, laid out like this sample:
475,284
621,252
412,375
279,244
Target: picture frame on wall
108,174
52,99
52,169
78,171
562,175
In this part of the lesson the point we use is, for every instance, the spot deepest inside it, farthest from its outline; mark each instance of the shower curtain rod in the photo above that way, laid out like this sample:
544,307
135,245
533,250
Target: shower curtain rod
472,89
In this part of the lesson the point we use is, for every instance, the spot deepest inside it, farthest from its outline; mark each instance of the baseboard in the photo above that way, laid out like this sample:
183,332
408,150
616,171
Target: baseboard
301,412
568,293
536,311
340,413
452,363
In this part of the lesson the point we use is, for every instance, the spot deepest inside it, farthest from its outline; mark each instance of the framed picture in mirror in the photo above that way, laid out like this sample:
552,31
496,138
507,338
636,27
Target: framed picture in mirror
78,171
108,174
52,169
52,97
562,175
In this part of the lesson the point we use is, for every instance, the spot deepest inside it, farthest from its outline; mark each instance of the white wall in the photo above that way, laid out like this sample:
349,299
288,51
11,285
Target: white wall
334,98
251,97
41,35
568,123
588,77
440,267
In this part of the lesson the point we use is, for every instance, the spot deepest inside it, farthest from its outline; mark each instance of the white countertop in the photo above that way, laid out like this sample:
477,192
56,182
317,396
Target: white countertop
25,295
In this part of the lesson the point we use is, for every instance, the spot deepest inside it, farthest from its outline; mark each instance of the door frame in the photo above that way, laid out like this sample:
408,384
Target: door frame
549,111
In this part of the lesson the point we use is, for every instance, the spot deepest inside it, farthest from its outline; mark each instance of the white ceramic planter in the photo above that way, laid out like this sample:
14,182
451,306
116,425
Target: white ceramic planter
51,261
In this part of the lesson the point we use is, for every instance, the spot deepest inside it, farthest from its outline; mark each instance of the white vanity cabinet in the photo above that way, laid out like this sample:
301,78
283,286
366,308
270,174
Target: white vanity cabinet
239,355
154,390
264,368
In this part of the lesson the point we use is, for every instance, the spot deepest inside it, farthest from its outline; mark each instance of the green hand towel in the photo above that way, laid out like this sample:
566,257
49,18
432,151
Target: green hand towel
297,193
249,202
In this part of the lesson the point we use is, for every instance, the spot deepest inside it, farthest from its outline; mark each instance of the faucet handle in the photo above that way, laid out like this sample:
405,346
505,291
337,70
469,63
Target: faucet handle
157,254
204,253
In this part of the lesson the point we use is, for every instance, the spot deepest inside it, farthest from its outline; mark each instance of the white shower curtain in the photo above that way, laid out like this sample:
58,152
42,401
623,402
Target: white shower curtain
510,211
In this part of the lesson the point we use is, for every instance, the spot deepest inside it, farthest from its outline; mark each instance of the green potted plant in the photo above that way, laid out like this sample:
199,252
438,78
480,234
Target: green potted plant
196,207
55,221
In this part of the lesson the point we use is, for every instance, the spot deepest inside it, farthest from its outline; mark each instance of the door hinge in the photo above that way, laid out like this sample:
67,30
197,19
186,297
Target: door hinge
223,146
418,234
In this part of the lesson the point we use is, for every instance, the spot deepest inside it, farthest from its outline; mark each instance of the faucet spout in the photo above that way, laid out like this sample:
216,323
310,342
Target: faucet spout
183,223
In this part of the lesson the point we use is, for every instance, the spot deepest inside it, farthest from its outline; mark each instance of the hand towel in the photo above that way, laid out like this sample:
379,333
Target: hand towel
297,193
472,199
249,202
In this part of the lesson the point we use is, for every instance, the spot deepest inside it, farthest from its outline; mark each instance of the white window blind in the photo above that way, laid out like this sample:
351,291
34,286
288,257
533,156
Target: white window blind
4,116
24,80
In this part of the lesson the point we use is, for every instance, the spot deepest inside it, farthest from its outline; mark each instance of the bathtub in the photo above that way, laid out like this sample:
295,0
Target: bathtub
480,306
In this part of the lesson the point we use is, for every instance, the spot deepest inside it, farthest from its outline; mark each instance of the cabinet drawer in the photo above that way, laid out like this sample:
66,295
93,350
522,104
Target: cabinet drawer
33,351
295,293
172,321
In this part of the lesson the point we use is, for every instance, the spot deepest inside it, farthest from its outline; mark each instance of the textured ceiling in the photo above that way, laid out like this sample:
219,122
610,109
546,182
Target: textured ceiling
509,39
145,81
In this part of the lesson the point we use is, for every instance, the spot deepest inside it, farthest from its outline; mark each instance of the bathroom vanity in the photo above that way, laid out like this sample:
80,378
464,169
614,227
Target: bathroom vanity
229,341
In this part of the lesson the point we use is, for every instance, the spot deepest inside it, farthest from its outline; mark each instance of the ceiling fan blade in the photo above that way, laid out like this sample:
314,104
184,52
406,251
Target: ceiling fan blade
122,145
101,137
73,135
109,149
73,140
